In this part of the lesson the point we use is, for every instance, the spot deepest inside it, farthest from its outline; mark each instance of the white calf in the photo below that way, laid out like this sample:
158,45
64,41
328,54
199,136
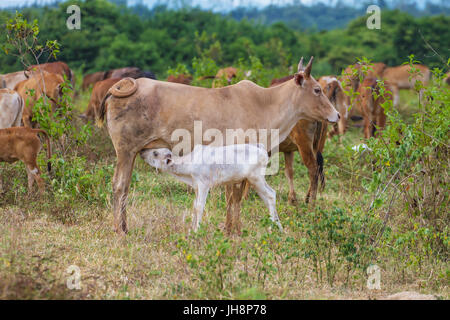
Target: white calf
206,167
11,108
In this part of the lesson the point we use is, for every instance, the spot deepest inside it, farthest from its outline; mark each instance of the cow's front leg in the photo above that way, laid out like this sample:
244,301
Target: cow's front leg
121,186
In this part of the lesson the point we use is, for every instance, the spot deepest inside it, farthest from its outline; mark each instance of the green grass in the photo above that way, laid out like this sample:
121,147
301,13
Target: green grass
42,236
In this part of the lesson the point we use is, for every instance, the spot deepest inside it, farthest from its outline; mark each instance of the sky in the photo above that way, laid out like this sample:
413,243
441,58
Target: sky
208,4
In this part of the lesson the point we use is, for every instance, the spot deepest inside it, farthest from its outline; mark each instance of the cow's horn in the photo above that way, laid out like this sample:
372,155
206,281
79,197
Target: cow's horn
300,65
308,67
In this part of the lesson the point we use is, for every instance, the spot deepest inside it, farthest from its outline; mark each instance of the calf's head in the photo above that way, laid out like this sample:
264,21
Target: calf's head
158,158
314,105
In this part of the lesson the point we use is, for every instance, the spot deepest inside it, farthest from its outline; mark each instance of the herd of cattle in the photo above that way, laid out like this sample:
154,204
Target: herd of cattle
141,113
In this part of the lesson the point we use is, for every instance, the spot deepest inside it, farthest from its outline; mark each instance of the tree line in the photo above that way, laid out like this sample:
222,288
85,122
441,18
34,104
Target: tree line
157,39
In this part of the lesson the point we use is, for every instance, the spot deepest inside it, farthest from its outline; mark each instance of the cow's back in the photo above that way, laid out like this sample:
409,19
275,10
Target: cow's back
400,76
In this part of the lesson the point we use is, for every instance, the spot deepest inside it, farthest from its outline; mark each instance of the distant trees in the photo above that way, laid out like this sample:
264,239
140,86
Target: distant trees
159,39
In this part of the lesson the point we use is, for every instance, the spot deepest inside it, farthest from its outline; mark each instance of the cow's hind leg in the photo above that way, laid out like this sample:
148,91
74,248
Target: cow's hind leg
121,186
310,161
289,172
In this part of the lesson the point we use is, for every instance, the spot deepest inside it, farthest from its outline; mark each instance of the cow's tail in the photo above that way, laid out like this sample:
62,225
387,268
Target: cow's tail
320,173
320,136
122,89
49,147
101,112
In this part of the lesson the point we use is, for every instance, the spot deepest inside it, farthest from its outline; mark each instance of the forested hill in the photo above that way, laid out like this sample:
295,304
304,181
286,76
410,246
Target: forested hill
113,36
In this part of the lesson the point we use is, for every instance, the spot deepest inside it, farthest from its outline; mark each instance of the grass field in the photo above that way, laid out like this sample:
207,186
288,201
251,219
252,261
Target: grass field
72,225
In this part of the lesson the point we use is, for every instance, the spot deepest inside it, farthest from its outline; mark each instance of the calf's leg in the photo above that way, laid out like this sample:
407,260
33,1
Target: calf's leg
33,173
201,193
268,195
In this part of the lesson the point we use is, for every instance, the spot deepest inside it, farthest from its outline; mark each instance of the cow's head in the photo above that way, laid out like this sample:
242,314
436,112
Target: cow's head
314,104
332,88
159,158
54,89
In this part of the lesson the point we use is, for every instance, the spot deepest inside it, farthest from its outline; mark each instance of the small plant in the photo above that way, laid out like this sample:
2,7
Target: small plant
337,241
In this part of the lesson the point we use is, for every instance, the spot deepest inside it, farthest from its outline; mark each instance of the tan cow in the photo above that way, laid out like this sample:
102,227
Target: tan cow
98,93
11,108
20,143
143,114
91,79
10,80
400,77
370,105
44,84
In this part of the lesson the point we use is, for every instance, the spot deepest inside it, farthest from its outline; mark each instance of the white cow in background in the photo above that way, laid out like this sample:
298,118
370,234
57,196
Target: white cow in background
11,108
207,166
10,80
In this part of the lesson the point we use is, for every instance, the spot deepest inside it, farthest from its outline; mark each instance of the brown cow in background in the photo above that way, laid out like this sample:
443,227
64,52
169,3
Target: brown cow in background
57,67
399,78
123,72
91,79
44,84
370,106
23,144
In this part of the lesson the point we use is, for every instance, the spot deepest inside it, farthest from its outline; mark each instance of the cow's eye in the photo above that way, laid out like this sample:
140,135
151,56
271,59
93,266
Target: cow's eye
317,90
155,153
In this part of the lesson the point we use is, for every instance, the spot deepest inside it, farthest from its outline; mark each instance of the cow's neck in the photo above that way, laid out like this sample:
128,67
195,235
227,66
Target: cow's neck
284,114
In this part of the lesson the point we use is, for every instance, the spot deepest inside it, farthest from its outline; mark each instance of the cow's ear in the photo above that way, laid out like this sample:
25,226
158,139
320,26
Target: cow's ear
299,78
